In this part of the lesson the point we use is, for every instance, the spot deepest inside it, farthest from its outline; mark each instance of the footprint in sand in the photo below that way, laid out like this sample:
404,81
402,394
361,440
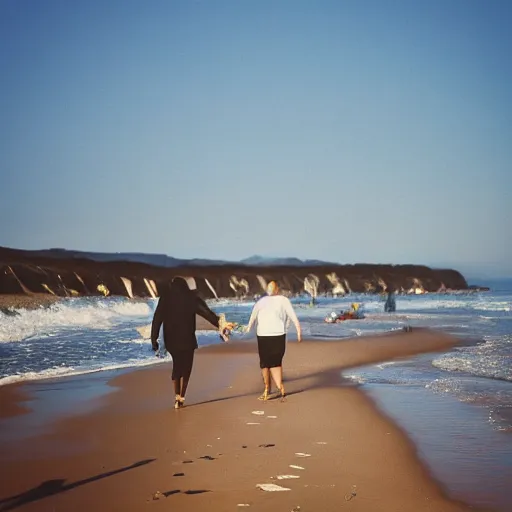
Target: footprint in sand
207,457
188,461
287,477
321,442
266,445
272,417
252,423
258,413
179,474
300,454
293,466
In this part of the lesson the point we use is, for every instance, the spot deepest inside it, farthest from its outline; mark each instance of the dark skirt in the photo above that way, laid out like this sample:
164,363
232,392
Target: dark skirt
271,350
182,361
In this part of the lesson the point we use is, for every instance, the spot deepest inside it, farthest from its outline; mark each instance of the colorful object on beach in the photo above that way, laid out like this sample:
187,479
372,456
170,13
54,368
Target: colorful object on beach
353,313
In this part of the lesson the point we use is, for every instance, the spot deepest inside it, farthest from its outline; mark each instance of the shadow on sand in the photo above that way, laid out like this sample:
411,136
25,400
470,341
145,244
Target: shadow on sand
52,487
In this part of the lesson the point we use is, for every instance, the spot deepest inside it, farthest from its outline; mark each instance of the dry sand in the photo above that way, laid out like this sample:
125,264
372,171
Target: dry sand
135,453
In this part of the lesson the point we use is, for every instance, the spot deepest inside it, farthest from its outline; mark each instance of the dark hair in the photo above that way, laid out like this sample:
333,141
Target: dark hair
179,285
179,296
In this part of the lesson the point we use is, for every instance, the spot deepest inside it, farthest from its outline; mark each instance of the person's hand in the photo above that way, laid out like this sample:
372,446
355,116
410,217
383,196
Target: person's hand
154,345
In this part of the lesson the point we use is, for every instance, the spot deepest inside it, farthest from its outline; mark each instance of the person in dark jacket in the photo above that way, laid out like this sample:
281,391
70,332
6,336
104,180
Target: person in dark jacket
390,305
176,310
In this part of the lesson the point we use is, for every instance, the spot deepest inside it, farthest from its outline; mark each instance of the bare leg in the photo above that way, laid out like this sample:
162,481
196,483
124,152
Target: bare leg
176,383
184,385
265,373
277,376
266,377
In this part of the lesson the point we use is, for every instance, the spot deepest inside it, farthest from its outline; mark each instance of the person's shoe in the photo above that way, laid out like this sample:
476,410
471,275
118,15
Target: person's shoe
265,395
178,402
283,394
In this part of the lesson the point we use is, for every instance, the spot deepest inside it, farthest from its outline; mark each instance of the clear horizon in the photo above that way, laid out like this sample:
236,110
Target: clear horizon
359,131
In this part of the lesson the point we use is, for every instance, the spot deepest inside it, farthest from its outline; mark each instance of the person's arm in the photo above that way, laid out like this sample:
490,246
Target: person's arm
254,315
203,310
158,318
291,314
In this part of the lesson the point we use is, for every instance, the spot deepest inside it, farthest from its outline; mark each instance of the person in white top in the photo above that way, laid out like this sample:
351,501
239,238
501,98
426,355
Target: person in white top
272,314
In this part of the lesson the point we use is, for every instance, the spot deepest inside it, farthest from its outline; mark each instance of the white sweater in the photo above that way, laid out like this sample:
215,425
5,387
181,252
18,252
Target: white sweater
272,314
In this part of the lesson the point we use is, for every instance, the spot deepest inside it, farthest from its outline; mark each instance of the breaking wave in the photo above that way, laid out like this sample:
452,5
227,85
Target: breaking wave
90,313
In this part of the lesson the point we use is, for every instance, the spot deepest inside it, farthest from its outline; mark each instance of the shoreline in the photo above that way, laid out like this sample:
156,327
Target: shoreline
126,426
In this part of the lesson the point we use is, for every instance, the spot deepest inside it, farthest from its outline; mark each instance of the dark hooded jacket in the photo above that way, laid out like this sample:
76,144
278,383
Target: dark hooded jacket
176,310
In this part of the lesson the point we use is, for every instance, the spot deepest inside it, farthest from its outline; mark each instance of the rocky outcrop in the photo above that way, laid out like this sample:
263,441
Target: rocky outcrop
21,272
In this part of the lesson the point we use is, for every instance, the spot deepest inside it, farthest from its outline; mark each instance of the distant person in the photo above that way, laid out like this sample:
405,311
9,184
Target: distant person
272,314
390,304
176,310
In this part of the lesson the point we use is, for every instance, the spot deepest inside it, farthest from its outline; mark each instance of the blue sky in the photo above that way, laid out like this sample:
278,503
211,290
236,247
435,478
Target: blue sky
357,131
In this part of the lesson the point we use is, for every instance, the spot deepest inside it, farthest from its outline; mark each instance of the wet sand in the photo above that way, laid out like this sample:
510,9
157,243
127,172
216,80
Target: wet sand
134,452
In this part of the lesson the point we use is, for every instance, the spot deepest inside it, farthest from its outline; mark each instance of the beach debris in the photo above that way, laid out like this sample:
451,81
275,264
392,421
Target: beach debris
157,496
179,474
272,488
300,454
170,493
351,494
207,457
287,477
258,413
293,466
252,423
272,417
296,509
266,445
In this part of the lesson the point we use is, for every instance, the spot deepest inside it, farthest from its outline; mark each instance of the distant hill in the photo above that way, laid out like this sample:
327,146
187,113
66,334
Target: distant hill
162,260
257,260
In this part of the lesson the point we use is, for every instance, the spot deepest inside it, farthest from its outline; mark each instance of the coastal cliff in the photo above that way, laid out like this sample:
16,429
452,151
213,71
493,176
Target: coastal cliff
29,272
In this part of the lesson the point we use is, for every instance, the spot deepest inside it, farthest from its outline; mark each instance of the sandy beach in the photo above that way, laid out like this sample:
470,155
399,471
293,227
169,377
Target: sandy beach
134,452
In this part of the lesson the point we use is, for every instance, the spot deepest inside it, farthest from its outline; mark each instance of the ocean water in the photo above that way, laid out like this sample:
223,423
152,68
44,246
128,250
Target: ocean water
457,406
